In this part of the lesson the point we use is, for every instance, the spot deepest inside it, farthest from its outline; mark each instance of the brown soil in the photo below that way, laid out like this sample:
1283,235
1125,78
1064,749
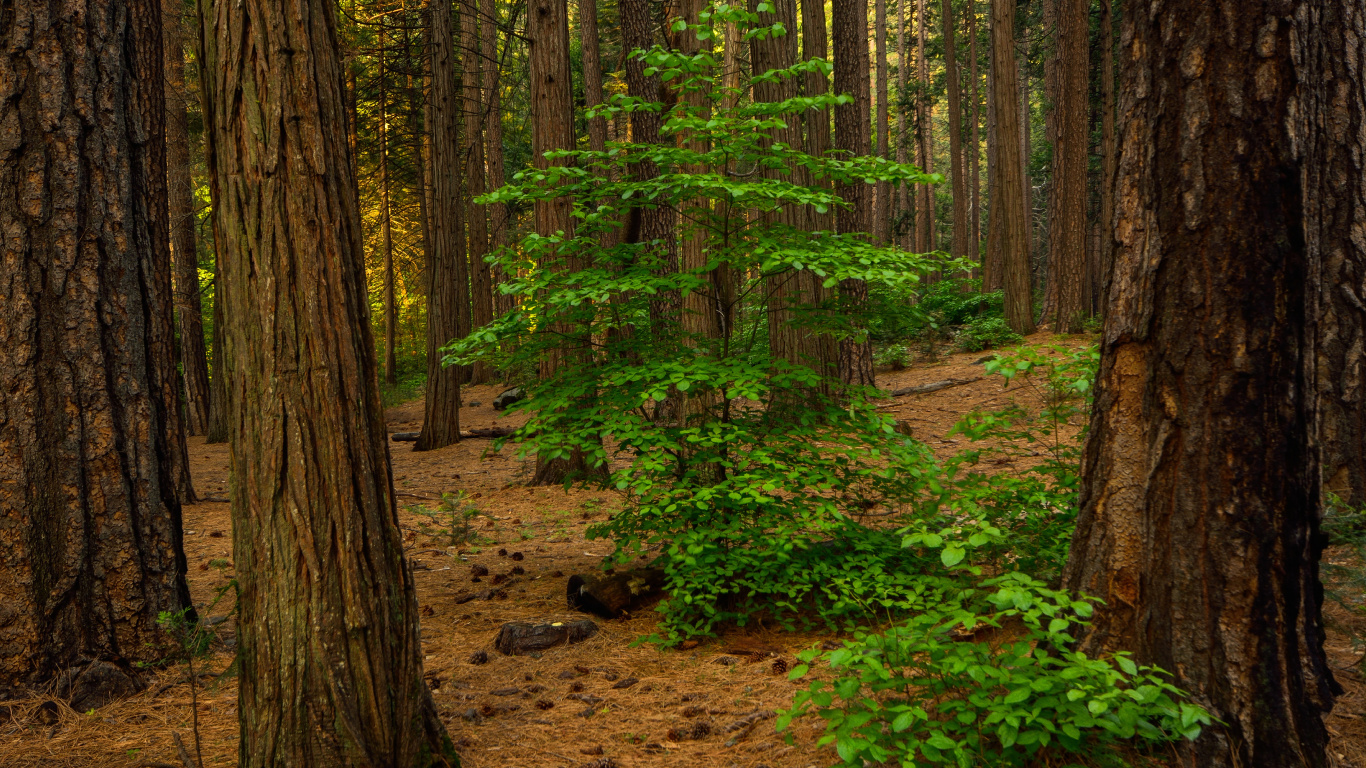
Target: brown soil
719,682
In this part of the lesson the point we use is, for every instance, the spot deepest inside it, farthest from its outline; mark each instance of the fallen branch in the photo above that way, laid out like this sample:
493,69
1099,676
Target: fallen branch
471,434
935,386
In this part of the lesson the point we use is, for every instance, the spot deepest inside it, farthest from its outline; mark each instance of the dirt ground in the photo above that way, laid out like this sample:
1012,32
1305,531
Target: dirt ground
570,704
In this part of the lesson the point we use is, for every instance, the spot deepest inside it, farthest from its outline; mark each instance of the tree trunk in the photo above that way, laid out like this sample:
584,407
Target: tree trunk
441,414
1200,502
1067,219
850,21
327,608
90,549
993,261
903,131
959,247
1109,152
493,148
924,126
1334,107
1010,188
481,278
883,201
180,201
819,351
552,122
385,226
592,72
974,151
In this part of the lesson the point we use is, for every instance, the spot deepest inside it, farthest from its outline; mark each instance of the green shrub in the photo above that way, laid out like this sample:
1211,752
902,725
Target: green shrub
928,693
985,332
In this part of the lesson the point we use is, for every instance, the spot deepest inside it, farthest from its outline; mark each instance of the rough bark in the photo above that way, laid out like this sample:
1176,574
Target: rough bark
1067,219
1200,500
180,204
1109,152
493,147
481,277
1013,237
882,194
993,261
903,130
327,607
592,72
924,127
849,19
820,351
90,531
974,149
441,414
386,235
959,246
1334,110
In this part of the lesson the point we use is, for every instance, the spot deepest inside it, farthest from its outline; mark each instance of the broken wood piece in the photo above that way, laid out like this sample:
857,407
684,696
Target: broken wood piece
934,386
517,638
609,595
477,432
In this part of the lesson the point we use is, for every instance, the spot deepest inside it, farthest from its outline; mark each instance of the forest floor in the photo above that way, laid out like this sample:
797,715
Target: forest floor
722,682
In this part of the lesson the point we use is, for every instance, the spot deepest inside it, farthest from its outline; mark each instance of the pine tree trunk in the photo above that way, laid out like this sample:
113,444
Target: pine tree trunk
903,131
993,261
959,246
385,226
326,623
493,148
1334,108
924,126
1200,502
180,196
90,468
1010,188
1109,152
849,20
883,200
974,150
1067,219
441,414
481,278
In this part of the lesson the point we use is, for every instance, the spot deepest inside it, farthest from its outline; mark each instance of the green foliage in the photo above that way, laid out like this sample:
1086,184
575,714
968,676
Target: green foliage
1344,576
933,315
986,332
929,692
451,523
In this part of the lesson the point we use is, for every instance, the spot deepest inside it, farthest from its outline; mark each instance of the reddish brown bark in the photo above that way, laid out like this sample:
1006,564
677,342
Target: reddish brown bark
849,20
1067,220
1009,187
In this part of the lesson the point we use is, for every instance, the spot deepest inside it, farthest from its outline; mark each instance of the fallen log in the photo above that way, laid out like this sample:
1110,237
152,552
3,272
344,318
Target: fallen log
934,386
610,595
517,638
476,433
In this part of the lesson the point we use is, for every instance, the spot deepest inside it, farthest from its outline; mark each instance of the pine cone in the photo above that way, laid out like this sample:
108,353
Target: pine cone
779,666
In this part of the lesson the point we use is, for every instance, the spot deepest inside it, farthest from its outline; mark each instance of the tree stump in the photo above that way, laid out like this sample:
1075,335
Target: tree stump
518,638
609,596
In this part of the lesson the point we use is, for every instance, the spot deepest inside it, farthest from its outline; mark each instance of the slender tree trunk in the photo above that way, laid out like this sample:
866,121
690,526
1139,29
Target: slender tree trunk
1109,152
993,262
1014,224
817,350
552,119
493,147
1067,219
924,127
903,131
441,415
1334,114
883,202
385,225
180,196
90,531
1200,504
481,278
974,150
960,194
310,461
592,72
849,20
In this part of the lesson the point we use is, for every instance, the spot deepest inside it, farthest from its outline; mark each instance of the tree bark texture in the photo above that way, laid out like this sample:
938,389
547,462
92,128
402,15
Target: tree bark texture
1067,220
481,278
445,289
882,210
1199,507
90,531
1109,151
904,132
849,19
1013,238
493,146
924,127
993,261
1333,104
331,663
974,150
180,202
386,236
959,246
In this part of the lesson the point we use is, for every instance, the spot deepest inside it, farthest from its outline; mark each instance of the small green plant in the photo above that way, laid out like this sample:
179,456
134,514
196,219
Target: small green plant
1344,578
985,332
929,692
893,356
451,523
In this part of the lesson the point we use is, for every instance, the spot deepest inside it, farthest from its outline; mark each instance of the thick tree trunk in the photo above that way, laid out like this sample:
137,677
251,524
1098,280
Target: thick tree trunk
180,203
218,385
1067,219
328,612
882,201
493,147
1200,503
552,122
481,278
974,150
924,127
959,246
1109,152
441,416
993,261
1334,108
850,21
592,72
819,351
1010,188
90,531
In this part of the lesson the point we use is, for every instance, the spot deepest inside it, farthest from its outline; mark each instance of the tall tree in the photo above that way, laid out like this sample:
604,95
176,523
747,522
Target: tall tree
481,277
924,133
959,246
1333,104
1200,503
903,131
849,19
1067,219
1109,152
993,261
445,272
883,191
91,458
974,148
1013,238
493,144
327,607
386,234
180,202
